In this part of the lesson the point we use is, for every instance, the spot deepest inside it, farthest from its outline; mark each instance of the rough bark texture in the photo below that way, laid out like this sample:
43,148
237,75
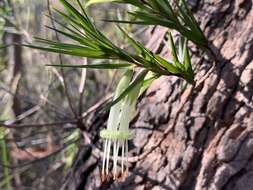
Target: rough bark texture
211,146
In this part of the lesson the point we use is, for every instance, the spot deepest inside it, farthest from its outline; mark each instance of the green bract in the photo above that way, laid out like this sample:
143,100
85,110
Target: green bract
116,135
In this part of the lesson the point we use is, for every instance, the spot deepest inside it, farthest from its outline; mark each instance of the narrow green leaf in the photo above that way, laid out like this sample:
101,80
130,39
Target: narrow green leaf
181,43
150,77
81,52
134,44
132,2
172,47
96,66
153,19
187,59
75,37
77,15
139,79
92,2
169,66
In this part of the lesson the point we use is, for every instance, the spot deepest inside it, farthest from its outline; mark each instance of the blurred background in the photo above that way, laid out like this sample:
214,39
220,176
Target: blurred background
39,138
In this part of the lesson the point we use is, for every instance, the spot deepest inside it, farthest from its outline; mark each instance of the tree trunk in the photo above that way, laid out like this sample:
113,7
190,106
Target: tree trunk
211,145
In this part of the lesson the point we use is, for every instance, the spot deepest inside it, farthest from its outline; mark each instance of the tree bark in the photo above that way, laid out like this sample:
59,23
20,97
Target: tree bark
211,145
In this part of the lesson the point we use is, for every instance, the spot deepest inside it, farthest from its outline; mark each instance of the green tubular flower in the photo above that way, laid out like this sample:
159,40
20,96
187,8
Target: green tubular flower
117,133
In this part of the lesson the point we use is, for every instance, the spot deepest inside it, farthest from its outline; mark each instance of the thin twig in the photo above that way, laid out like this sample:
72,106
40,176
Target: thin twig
21,126
24,115
81,87
97,106
26,99
61,63
109,86
41,159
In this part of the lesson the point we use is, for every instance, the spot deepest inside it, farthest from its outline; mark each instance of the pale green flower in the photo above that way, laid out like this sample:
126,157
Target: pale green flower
117,133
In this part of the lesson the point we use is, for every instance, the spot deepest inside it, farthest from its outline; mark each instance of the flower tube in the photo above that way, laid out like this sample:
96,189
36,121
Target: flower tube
117,133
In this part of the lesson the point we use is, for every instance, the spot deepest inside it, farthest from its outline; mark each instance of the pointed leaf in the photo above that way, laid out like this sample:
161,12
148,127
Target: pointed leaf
96,66
172,48
169,66
139,79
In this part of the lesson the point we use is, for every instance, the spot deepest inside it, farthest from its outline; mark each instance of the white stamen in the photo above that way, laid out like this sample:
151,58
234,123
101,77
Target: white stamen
122,156
114,159
126,157
108,156
104,157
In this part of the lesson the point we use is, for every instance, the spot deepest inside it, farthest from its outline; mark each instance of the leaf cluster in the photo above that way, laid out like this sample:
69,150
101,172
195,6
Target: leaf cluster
176,15
93,44
90,42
